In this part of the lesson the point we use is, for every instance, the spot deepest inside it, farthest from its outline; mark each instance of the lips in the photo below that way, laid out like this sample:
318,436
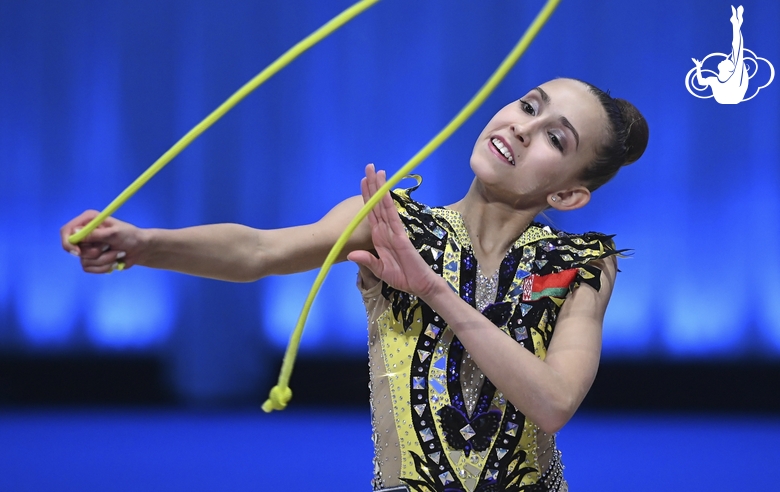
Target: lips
501,148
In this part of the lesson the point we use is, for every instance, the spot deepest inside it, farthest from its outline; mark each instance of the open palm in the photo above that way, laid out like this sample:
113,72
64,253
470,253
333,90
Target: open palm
399,264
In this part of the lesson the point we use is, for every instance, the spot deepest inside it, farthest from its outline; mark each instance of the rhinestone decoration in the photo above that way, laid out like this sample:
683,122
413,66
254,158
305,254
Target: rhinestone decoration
511,429
446,478
420,409
521,333
467,432
435,457
426,434
524,308
487,289
432,331
422,354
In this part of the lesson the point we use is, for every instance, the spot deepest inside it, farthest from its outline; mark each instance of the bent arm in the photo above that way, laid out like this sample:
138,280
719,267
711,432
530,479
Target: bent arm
701,80
229,252
548,392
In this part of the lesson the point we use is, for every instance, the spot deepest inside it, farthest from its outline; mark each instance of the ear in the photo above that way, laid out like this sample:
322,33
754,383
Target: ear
570,199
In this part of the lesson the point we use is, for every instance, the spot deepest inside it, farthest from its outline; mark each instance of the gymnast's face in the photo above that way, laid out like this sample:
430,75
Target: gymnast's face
537,147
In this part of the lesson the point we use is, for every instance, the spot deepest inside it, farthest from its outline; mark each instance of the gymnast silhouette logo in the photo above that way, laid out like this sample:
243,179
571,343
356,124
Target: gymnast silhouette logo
730,84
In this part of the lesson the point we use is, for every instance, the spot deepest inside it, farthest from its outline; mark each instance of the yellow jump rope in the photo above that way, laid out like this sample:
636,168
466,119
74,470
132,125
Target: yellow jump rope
281,393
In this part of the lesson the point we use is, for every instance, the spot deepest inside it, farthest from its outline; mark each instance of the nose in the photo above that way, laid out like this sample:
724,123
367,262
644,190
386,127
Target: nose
522,133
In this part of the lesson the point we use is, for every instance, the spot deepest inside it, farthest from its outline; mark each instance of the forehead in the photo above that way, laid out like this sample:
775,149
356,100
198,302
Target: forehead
572,99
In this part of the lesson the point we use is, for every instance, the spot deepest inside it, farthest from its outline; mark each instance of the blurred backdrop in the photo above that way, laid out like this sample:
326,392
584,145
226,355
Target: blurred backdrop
91,93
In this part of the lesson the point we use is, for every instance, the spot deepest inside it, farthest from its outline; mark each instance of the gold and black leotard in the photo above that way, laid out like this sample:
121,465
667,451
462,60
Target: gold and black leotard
439,423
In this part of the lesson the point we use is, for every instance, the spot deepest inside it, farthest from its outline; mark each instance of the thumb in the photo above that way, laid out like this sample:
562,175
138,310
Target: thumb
100,235
366,259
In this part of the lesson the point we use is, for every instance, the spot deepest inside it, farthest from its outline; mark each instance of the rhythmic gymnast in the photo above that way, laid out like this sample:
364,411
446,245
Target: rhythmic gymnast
731,84
484,325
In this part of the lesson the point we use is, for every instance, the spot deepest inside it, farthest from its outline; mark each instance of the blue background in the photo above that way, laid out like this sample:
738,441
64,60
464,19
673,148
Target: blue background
92,92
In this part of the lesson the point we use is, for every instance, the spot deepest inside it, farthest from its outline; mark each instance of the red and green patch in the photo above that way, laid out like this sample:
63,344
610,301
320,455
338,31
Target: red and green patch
536,287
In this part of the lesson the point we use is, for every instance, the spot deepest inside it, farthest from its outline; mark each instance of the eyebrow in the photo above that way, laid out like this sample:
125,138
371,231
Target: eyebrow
565,122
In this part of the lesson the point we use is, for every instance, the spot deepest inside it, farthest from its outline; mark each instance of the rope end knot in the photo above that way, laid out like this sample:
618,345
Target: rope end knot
277,399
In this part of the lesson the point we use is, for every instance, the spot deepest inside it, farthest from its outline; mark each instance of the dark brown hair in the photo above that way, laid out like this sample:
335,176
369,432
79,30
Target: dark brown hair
625,142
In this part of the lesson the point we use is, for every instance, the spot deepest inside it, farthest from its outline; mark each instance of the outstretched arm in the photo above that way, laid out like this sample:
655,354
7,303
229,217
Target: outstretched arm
230,252
548,392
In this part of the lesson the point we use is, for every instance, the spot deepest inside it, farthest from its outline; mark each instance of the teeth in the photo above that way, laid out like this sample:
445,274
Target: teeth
502,148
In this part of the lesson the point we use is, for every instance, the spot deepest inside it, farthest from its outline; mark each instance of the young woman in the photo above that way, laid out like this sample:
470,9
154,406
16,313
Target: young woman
484,326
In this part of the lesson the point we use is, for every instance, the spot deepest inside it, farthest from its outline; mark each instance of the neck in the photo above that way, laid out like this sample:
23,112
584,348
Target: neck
493,225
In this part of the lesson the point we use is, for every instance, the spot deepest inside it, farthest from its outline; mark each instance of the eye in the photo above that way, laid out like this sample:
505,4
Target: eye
556,141
527,108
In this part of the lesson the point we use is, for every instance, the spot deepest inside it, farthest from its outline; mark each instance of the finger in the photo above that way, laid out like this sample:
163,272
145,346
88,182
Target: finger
373,186
386,208
92,251
103,234
112,267
106,258
366,259
364,191
371,178
73,226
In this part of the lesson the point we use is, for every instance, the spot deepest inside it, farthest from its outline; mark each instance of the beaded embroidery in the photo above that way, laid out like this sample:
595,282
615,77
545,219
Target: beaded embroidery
455,430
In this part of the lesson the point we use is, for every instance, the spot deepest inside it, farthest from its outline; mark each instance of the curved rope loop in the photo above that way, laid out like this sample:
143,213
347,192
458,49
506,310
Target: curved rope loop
278,64
292,348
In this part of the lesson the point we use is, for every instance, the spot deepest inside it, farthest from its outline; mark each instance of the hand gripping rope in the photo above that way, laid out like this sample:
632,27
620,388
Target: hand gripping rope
281,394
218,113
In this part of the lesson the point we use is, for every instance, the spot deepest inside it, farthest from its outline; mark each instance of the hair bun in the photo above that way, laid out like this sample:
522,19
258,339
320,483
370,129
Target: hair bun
635,132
